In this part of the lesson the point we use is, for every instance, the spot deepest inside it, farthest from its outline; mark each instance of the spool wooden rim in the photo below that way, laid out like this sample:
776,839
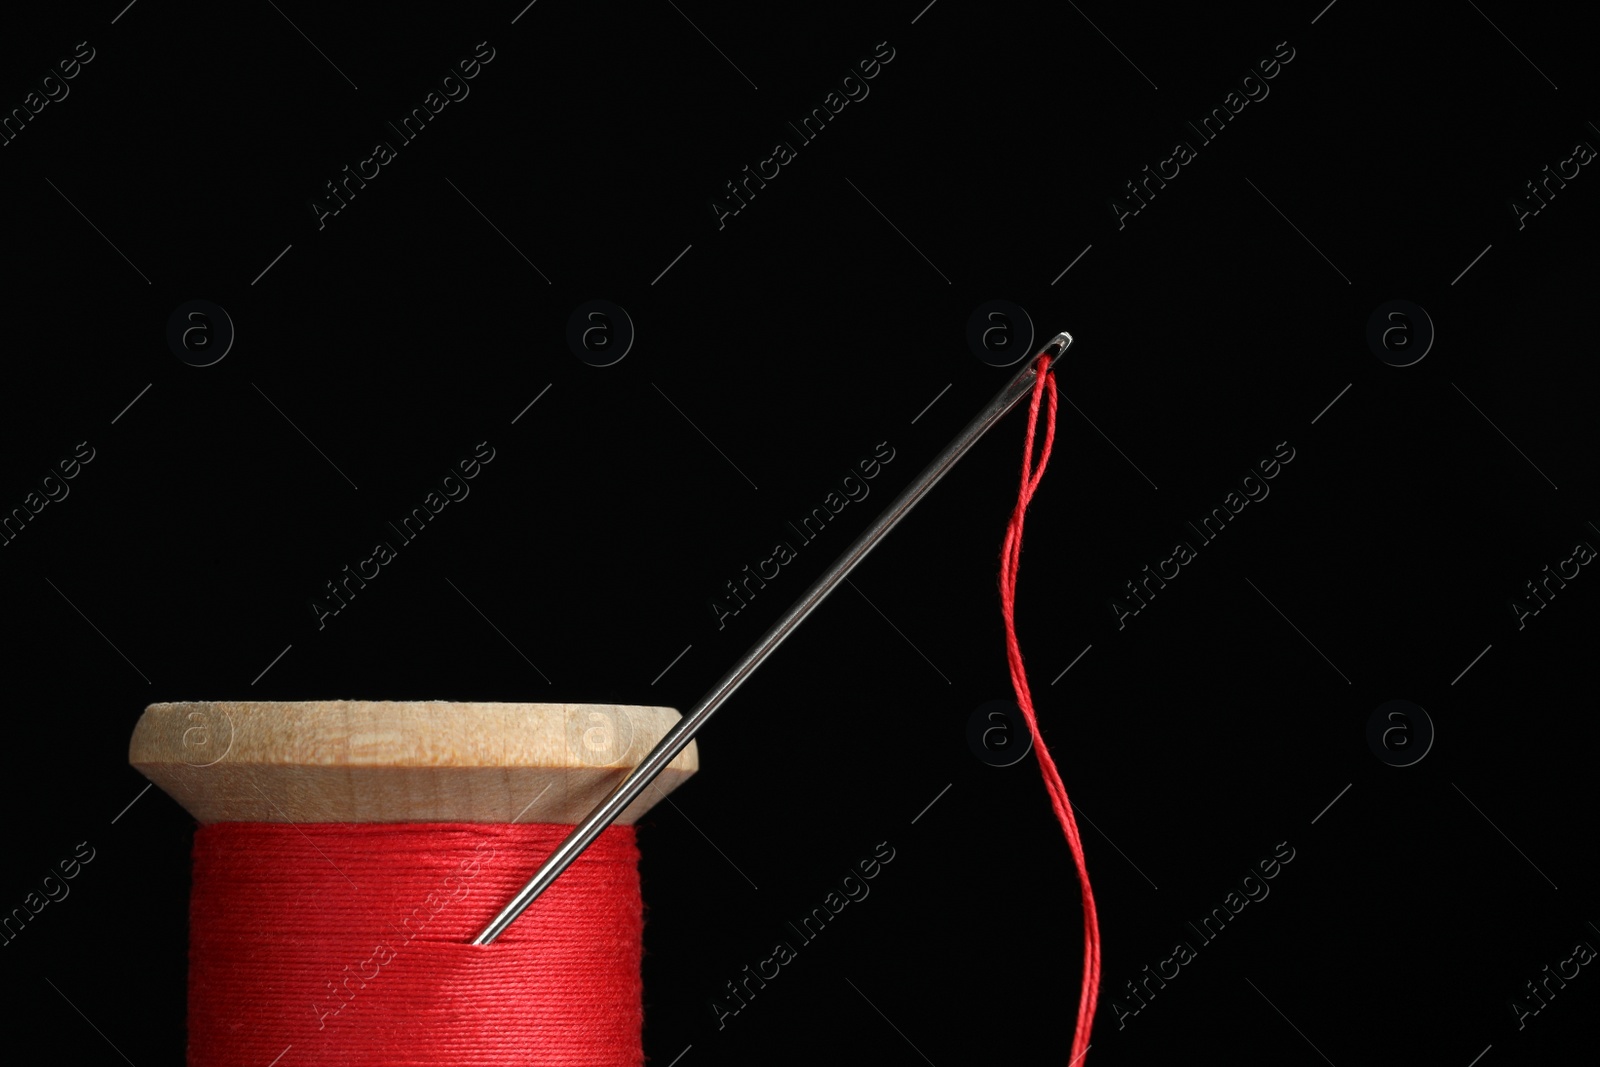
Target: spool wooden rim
354,761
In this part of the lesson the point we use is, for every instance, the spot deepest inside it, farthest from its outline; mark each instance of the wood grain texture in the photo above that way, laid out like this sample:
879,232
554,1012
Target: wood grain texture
400,761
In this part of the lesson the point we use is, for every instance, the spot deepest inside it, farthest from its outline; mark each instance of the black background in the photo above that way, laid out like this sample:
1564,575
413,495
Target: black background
1220,321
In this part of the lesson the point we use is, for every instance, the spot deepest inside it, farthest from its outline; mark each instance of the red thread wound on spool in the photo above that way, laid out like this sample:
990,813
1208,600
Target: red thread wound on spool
347,944
1010,556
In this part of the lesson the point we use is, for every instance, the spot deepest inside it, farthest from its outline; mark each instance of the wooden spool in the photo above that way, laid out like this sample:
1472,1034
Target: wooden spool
352,761
411,762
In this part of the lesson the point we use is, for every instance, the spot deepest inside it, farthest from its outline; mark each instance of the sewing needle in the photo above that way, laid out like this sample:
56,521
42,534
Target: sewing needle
681,734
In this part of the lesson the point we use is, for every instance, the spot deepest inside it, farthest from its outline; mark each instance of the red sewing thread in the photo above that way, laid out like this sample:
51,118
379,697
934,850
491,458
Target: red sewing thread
347,944
1010,555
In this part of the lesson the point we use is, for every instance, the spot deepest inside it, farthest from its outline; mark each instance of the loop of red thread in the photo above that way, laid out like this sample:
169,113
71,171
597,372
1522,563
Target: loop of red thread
1010,556
348,944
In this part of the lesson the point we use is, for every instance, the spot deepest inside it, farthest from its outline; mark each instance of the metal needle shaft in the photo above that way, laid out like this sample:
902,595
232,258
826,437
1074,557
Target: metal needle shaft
680,735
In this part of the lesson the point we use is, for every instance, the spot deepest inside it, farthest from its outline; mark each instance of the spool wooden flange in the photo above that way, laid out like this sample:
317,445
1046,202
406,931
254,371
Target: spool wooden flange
354,761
